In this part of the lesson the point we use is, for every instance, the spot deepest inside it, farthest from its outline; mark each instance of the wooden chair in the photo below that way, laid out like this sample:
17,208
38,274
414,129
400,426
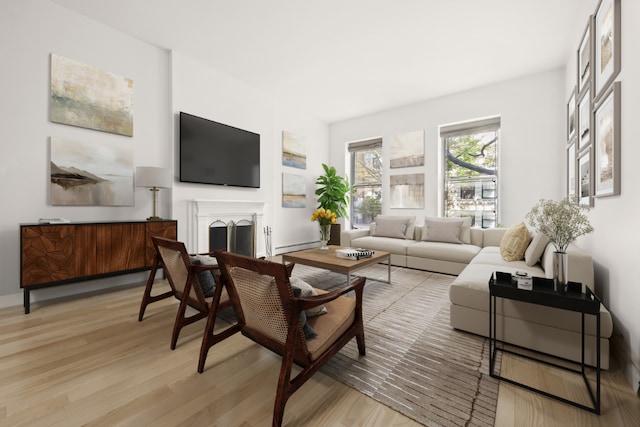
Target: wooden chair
268,313
182,276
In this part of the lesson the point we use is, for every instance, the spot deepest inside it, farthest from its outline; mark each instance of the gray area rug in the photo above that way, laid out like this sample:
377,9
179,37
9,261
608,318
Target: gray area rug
415,363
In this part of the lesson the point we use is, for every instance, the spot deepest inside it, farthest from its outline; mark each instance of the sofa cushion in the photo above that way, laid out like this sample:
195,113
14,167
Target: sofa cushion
535,249
443,251
205,278
491,256
387,244
401,227
442,230
514,242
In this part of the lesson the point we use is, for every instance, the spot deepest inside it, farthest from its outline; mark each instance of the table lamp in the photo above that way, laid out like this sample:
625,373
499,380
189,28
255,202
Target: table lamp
153,178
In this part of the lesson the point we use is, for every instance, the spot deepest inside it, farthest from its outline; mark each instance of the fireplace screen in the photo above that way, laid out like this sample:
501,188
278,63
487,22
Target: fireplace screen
237,237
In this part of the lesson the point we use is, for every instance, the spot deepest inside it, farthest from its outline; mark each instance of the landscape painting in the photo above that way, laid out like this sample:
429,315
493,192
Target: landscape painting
294,191
91,174
294,150
407,191
407,150
87,97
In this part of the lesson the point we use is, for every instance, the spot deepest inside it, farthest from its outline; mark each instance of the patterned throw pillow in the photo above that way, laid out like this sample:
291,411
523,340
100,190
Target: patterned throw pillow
514,242
307,291
206,279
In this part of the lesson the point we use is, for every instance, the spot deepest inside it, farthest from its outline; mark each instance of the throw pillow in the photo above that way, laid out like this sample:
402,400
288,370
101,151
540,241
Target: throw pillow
536,249
206,278
307,291
465,230
309,332
391,227
514,242
390,221
442,230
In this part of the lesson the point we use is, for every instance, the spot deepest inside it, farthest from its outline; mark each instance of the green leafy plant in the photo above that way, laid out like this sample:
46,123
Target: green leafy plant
562,222
334,191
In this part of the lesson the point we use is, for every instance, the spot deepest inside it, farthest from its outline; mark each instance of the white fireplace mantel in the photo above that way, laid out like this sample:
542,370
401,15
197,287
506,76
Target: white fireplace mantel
202,213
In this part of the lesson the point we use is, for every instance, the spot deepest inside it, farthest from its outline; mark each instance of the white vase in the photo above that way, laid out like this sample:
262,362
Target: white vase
560,271
325,234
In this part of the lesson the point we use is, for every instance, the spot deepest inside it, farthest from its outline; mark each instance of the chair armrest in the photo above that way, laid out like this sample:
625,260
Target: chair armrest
306,303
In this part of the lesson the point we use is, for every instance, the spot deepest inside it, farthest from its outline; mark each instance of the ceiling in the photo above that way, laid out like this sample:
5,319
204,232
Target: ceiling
338,59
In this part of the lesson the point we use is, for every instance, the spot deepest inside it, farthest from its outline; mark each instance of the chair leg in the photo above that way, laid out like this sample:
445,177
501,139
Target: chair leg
361,347
146,297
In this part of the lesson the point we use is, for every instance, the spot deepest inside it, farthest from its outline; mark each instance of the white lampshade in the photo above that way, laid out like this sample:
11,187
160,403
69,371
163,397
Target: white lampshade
147,176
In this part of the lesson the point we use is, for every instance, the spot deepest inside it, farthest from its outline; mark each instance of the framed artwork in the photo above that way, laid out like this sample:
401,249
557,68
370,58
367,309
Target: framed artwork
90,174
585,193
571,115
407,150
294,191
571,171
607,143
407,191
294,150
584,120
88,97
607,45
585,58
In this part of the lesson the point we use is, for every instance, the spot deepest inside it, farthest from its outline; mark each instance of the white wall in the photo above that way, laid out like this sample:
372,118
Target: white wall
205,92
532,120
164,84
30,30
614,243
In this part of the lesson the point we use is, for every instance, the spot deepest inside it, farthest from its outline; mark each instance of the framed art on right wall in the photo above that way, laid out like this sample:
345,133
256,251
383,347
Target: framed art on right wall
607,143
607,45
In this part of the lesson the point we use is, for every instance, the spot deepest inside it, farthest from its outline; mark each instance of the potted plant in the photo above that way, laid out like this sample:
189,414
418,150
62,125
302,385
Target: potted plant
562,222
333,194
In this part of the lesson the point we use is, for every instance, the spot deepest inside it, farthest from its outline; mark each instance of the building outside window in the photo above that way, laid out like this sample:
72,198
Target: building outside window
366,178
470,182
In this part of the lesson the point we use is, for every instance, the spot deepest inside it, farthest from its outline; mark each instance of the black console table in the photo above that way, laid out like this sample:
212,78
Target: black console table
501,286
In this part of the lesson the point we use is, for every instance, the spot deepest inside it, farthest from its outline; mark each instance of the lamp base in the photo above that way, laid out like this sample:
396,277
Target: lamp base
154,218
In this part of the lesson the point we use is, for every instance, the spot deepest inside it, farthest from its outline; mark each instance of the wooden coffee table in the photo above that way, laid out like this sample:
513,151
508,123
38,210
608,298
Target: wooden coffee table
328,260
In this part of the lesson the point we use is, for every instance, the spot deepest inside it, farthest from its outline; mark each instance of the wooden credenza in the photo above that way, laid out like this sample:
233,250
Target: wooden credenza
55,254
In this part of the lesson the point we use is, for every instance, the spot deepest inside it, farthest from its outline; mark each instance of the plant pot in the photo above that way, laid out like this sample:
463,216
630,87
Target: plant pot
334,238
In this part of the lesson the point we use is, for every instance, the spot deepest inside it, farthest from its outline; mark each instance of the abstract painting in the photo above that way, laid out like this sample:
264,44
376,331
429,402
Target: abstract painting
87,97
91,174
407,150
407,191
294,150
294,191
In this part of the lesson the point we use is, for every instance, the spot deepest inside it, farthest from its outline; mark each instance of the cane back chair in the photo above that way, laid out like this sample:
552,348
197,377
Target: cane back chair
268,313
182,275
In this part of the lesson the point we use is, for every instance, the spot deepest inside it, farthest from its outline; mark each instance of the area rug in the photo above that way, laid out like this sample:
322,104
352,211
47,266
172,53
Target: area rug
415,363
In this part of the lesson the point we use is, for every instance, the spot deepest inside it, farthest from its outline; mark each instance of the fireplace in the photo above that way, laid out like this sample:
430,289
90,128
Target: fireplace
234,222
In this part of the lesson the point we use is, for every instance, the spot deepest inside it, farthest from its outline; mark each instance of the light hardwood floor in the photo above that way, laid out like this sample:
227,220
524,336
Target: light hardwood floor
88,361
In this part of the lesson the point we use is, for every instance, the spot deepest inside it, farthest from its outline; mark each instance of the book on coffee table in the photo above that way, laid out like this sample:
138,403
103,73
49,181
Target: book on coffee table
354,253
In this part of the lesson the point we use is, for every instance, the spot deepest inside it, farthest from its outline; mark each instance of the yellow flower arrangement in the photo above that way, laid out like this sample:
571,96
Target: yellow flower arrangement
324,216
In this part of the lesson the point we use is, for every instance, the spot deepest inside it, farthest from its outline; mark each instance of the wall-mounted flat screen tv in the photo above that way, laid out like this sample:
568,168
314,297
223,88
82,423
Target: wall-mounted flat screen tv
215,153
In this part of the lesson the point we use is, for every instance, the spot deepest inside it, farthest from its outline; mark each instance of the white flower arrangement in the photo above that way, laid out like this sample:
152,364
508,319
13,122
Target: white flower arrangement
562,222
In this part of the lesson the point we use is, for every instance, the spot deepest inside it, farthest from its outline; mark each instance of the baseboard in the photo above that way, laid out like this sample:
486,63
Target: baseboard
621,353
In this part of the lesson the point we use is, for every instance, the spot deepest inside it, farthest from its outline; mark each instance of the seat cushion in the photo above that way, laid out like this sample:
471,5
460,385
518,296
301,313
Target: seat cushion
330,326
443,251
387,244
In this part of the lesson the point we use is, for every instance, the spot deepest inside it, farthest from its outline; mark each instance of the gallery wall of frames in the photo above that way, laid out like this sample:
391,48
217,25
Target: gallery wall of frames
593,109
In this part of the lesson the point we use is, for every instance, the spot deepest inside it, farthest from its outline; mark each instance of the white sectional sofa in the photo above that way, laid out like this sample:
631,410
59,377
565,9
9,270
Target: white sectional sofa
549,330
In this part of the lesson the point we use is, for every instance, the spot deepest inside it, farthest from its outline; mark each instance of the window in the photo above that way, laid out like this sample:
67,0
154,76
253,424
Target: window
470,152
366,178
